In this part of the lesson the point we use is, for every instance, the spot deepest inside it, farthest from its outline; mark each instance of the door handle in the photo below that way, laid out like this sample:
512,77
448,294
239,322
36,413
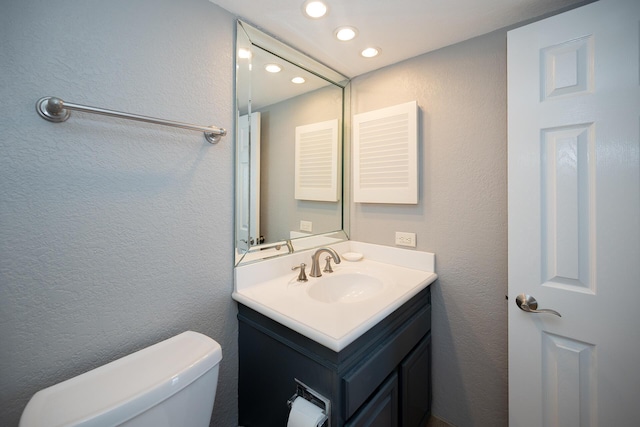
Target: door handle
530,305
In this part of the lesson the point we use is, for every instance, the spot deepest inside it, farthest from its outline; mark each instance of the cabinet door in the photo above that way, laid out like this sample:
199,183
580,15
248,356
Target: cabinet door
415,382
365,378
382,409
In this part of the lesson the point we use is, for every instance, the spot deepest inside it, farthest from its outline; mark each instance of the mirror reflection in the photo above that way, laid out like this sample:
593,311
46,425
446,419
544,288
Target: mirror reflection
289,149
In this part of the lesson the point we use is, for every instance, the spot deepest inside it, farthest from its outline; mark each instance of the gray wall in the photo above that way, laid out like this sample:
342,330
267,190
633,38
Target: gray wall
461,215
280,212
113,234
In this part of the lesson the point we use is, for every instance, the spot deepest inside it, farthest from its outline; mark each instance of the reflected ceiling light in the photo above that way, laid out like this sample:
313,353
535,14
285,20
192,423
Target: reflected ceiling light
314,9
370,52
297,80
244,53
273,68
346,33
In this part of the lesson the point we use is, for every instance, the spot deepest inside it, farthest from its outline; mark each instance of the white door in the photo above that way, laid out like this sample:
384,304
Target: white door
248,185
574,217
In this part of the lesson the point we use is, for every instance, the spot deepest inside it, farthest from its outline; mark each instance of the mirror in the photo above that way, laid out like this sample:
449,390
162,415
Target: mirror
289,151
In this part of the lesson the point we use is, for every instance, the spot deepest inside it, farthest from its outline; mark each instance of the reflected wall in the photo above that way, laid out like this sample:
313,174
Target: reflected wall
281,213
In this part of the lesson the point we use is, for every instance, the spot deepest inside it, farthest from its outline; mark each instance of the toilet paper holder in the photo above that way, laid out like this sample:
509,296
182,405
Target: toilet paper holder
302,390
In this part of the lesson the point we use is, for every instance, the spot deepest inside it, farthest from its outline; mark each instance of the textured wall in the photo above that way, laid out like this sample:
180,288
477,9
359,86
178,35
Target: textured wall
461,215
113,234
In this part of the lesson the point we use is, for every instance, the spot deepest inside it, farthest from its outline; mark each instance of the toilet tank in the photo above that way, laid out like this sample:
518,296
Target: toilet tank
171,383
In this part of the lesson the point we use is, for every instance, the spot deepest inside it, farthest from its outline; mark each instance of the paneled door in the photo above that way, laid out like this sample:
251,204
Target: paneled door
574,218
248,182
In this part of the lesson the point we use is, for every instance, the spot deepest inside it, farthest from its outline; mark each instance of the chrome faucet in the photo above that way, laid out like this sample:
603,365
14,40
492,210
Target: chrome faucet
278,246
315,261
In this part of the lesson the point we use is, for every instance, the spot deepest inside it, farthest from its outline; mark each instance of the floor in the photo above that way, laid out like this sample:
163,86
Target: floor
436,422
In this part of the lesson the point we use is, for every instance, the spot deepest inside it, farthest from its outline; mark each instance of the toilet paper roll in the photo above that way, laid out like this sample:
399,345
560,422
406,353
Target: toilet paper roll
304,414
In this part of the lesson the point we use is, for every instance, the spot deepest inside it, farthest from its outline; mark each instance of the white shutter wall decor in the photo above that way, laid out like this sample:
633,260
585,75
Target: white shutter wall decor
385,155
316,161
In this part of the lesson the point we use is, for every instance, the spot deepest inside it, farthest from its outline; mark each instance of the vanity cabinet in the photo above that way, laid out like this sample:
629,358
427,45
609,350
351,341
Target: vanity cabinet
383,378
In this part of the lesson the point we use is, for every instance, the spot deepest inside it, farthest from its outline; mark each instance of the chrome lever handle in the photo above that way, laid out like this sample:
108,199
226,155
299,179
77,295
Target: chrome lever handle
327,267
530,305
302,276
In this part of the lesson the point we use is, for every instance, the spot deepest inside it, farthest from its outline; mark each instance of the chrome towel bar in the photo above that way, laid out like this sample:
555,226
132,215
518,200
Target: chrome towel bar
56,110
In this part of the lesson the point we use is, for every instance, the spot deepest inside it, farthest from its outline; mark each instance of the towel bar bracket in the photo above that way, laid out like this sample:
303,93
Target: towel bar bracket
52,109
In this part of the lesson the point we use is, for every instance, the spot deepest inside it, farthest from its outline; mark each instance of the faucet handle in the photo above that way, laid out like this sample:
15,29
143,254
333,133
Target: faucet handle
302,277
327,266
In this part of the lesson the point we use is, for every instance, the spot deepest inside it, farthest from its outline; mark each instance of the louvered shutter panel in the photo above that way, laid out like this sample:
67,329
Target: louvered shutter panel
316,162
385,155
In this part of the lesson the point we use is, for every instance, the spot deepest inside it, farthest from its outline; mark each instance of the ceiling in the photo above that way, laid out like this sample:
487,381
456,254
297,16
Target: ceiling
401,29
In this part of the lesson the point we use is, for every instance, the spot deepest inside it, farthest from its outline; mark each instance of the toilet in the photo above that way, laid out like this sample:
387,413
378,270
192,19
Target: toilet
171,383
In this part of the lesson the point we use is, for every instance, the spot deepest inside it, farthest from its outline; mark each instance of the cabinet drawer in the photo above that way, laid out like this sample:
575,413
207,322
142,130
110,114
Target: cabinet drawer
361,381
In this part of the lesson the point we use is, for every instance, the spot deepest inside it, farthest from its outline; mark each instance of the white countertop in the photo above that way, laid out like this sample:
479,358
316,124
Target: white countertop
271,288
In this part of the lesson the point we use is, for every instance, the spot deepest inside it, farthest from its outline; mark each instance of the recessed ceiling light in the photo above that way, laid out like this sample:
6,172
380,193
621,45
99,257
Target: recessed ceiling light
370,52
346,33
244,53
273,68
298,80
314,9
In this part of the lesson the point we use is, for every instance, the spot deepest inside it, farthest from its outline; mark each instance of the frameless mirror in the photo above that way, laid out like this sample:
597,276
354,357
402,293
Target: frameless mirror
289,151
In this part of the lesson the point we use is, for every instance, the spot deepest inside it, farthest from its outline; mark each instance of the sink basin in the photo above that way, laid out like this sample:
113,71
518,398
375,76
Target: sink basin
345,288
336,308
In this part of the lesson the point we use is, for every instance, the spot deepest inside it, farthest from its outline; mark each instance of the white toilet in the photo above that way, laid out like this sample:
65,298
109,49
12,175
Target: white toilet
172,383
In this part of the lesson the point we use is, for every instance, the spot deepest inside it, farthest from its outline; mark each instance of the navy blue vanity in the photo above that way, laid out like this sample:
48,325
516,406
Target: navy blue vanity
367,352
381,379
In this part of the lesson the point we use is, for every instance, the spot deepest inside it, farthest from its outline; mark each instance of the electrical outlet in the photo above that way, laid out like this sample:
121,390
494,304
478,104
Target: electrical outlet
406,239
306,226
